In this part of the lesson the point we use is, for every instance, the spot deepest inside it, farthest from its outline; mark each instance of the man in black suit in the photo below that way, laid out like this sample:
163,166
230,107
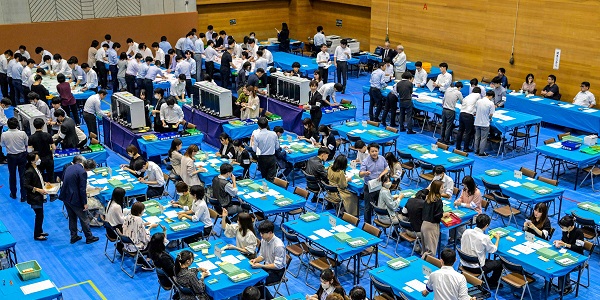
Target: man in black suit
315,101
67,136
387,52
315,167
73,194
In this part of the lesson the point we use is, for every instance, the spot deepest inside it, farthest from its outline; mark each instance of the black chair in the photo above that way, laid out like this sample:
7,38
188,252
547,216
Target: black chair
318,261
504,209
164,283
426,171
405,236
588,226
408,164
313,181
332,192
516,277
136,253
295,247
185,291
113,237
384,225
384,290
473,260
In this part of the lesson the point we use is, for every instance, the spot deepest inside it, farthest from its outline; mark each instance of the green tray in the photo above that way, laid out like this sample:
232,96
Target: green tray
456,159
352,124
101,170
357,242
422,150
254,186
566,259
543,190
503,231
153,211
414,146
193,131
179,226
308,150
96,148
595,209
589,150
236,123
32,264
572,138
198,246
398,263
297,146
244,182
382,134
240,275
586,205
342,237
309,217
493,172
283,202
228,268
373,131
127,186
459,213
115,182
547,253
408,193
529,185
447,208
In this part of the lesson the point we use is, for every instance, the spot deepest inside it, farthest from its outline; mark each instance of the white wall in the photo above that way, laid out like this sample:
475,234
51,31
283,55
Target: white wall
28,11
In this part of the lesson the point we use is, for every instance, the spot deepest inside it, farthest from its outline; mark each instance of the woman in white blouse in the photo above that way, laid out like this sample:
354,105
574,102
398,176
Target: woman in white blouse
189,172
245,237
251,109
198,213
134,227
115,214
175,156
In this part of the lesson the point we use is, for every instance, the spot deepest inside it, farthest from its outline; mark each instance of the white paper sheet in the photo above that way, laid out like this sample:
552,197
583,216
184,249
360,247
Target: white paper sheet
590,110
566,105
272,192
256,195
38,286
430,85
323,233
342,228
416,285
518,233
502,185
152,219
172,214
350,226
102,181
513,183
313,237
230,259
90,173
207,265
240,257
513,252
408,289
523,249
214,161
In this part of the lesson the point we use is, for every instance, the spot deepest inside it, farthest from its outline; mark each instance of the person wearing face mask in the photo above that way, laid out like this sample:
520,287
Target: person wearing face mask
388,202
138,231
242,158
161,258
133,153
572,238
175,156
116,211
42,143
226,150
470,197
171,115
178,88
154,177
538,223
476,242
33,183
188,278
448,184
329,285
189,171
184,200
372,170
197,213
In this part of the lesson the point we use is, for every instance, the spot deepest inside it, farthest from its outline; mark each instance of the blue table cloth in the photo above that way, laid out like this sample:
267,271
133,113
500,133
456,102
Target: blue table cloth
397,279
441,159
225,288
267,205
531,262
577,157
334,117
556,112
291,115
117,137
285,60
99,156
584,214
209,161
161,147
105,196
211,126
410,65
13,291
7,243
367,137
195,227
240,132
287,141
520,193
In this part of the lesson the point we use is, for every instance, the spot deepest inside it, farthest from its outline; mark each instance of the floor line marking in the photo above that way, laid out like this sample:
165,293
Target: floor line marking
91,283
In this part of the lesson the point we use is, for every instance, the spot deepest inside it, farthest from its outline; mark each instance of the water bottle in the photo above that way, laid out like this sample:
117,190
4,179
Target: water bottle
265,188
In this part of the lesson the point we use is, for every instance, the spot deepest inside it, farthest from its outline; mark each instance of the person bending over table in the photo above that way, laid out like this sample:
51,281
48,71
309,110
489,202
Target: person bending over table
433,212
243,231
271,255
224,190
439,173
315,167
328,91
189,171
475,242
538,223
133,153
134,227
67,135
197,213
241,157
446,283
188,278
372,169
585,98
185,200
154,177
336,174
572,239
171,116
329,285
178,88
551,90
412,212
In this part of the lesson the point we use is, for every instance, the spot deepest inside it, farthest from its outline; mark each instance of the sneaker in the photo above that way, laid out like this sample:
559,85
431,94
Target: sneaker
75,239
92,240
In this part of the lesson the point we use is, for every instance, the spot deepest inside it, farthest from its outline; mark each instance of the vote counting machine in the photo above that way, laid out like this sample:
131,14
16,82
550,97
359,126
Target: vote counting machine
290,89
213,100
128,110
26,113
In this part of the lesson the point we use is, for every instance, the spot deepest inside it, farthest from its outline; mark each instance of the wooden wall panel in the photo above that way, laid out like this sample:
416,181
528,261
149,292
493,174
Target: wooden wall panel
74,37
476,40
262,17
356,20
364,3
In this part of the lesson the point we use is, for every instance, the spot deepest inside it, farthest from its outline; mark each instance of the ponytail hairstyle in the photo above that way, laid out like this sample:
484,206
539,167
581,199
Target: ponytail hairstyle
182,257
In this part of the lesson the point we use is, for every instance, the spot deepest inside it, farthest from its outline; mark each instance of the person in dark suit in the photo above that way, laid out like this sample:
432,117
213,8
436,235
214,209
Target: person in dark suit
315,102
315,167
387,52
33,183
242,158
73,194
283,37
67,136
328,141
226,150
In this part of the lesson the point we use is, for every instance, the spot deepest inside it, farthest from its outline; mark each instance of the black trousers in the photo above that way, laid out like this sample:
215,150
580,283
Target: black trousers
4,85
18,88
12,91
188,87
130,81
2,156
16,162
324,74
102,74
210,68
225,78
491,266
406,112
154,191
342,74
274,276
391,104
113,75
139,86
267,165
90,121
376,97
448,116
39,220
46,167
149,87
75,213
466,127
369,197
74,111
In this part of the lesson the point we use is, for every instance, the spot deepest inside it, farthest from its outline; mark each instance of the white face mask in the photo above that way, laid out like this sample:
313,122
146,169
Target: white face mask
38,162
387,185
325,285
180,194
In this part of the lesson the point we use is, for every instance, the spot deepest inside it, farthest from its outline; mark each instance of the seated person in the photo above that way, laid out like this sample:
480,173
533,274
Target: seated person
134,227
388,202
242,157
538,223
133,153
161,258
361,152
499,92
185,200
551,90
585,98
328,141
251,292
154,177
358,293
271,255
475,242
295,71
171,115
310,132
503,78
243,231
281,154
439,173
446,283
226,149
573,239
315,167
197,213
188,278
329,285
224,190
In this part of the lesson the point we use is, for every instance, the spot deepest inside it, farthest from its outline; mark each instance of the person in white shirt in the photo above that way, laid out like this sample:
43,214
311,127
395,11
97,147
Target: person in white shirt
484,110
210,53
447,183
153,177
115,211
159,54
476,243
466,120
253,49
198,52
209,33
23,51
101,60
328,90
92,110
189,58
62,65
319,39
399,61
389,70
198,213
446,283
177,89
267,55
42,52
260,62
134,47
443,80
585,97
26,76
324,61
91,78
134,227
420,75
145,51
475,83
171,115
340,59
452,96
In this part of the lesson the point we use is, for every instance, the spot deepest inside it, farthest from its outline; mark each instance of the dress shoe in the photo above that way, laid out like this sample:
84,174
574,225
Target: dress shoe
92,240
75,239
14,196
468,150
40,238
44,234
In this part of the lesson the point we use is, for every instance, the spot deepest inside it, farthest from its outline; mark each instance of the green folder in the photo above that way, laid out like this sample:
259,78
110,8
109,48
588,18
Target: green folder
547,253
357,242
153,210
408,193
351,123
422,150
179,226
101,170
283,202
456,159
228,268
447,208
503,231
398,263
414,146
115,182
566,259
309,217
342,237
529,185
239,275
198,246
543,190
586,205
254,186
595,209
